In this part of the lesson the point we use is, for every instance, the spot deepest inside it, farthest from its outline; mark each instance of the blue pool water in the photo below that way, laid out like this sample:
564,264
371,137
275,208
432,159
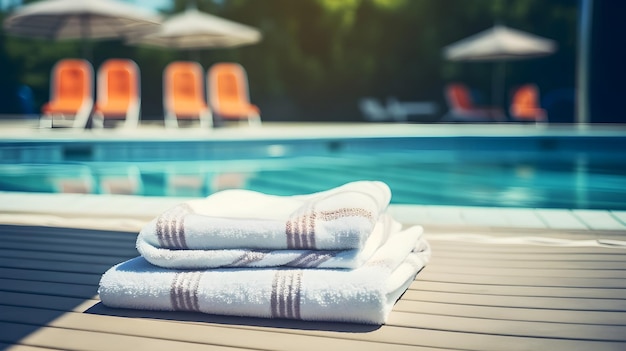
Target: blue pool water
548,173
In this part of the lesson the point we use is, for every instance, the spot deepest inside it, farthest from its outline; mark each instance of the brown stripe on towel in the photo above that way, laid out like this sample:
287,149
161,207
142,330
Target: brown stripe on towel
175,293
294,233
170,227
345,212
274,296
300,230
184,291
311,230
184,210
304,235
289,234
285,296
312,259
171,231
164,227
177,228
248,258
194,291
295,230
296,291
160,229
308,231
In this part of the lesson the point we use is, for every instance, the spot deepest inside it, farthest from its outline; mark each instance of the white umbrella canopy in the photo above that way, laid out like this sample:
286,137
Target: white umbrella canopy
80,19
193,29
499,43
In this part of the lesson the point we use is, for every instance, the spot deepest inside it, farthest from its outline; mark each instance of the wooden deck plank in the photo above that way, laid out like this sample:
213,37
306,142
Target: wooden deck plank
59,257
529,291
66,235
74,339
573,264
529,256
532,329
70,267
511,313
59,303
47,276
9,347
460,247
608,283
48,288
69,240
58,248
532,272
548,303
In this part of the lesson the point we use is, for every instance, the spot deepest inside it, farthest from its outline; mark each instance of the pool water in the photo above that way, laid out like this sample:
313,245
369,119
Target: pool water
435,177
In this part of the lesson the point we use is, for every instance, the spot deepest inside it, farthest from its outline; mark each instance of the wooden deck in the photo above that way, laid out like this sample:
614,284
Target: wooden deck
471,296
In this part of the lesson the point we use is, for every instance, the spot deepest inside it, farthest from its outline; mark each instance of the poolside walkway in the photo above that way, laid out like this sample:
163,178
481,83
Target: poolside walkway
154,130
556,283
121,212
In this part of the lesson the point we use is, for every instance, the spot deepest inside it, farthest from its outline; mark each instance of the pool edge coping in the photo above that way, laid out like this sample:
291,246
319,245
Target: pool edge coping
124,212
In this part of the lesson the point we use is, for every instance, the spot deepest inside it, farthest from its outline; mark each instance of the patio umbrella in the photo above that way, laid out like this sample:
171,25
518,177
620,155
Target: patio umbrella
193,29
499,43
79,19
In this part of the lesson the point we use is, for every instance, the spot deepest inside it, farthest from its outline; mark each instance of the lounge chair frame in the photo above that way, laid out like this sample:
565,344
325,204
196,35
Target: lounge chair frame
60,71
203,114
250,112
131,117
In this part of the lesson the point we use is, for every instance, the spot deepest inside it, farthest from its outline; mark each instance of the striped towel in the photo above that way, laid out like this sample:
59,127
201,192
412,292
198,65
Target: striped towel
363,295
341,218
199,259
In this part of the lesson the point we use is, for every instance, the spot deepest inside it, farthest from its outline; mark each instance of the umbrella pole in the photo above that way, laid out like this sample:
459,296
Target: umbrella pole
193,55
497,83
84,37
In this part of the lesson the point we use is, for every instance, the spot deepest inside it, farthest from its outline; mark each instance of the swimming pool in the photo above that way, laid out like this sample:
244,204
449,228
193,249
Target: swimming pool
549,171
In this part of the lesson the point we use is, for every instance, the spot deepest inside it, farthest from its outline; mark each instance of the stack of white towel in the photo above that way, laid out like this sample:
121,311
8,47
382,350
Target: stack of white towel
335,255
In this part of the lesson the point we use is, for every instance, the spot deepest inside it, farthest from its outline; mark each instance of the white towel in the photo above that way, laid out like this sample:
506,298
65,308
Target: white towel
201,259
337,219
363,295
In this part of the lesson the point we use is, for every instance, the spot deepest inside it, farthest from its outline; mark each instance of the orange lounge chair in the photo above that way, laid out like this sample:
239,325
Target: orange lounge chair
228,93
183,94
463,108
119,96
525,105
71,93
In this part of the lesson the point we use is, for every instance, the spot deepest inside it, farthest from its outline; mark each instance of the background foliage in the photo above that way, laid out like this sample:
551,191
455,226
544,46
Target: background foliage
318,57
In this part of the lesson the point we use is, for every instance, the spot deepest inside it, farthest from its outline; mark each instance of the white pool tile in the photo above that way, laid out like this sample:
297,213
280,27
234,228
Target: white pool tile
444,215
619,215
599,220
490,217
561,219
410,214
522,218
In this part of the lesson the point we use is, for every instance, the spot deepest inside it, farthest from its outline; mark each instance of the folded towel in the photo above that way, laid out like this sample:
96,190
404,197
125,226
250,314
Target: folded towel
337,219
363,295
201,259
